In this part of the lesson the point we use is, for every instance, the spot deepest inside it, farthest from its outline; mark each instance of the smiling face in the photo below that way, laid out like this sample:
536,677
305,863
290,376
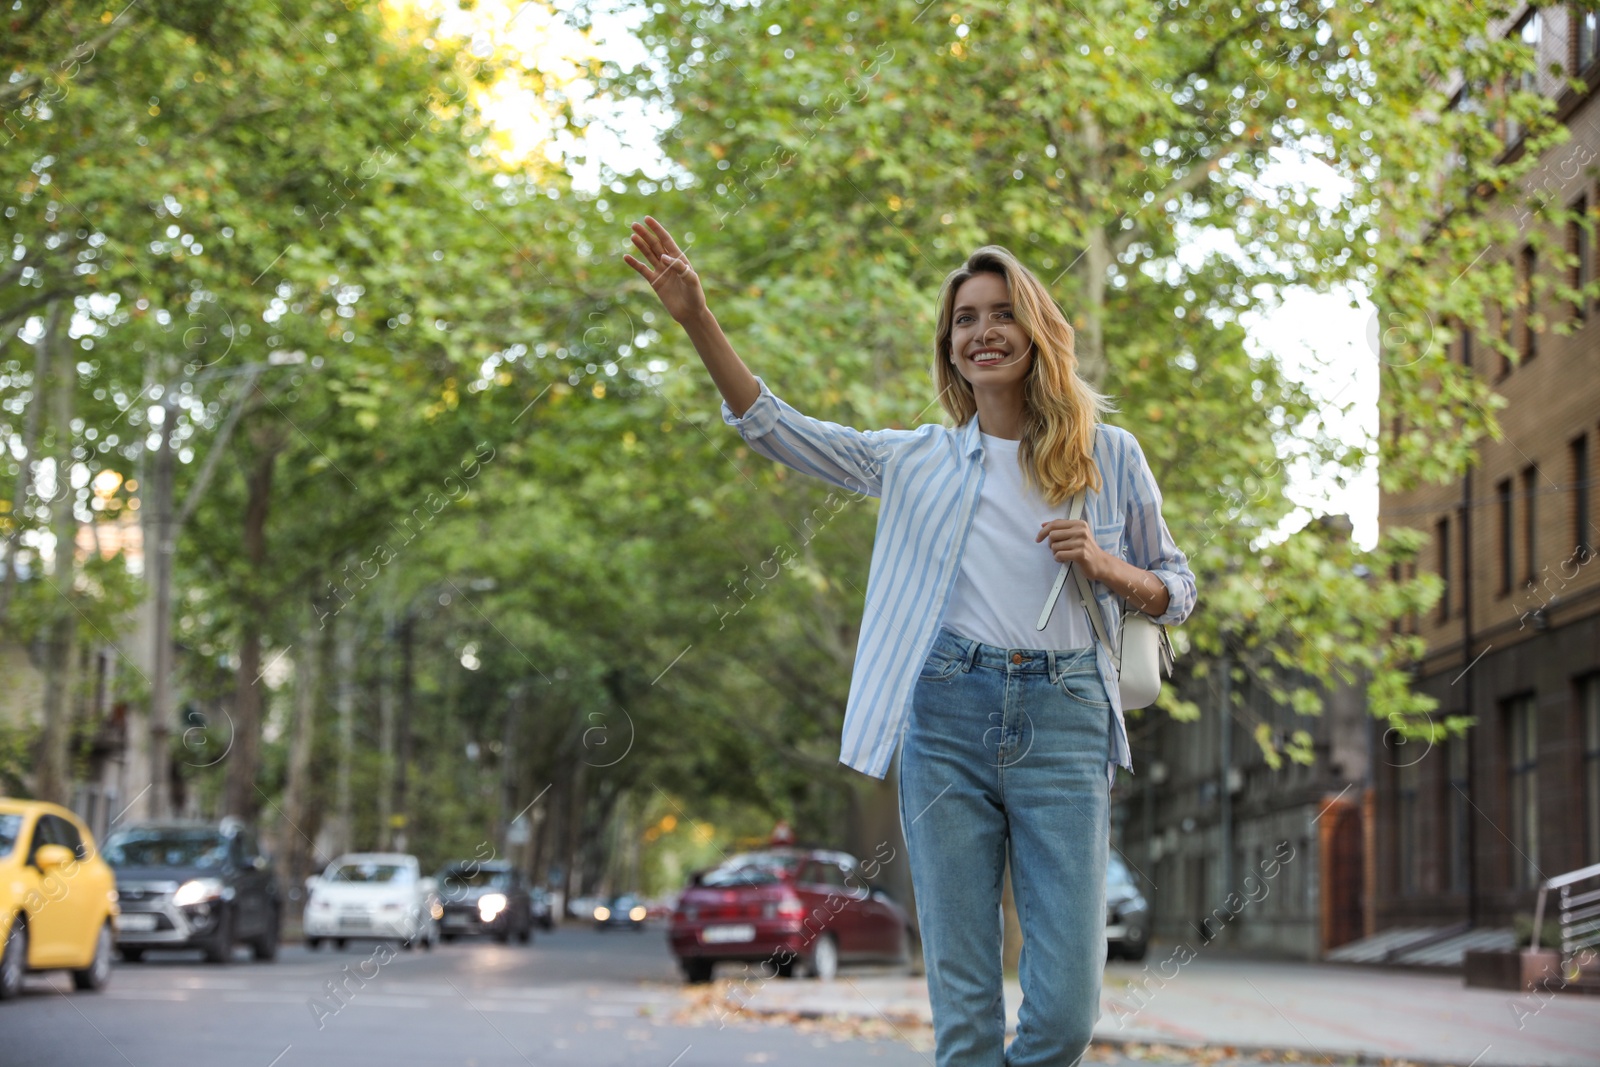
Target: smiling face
987,345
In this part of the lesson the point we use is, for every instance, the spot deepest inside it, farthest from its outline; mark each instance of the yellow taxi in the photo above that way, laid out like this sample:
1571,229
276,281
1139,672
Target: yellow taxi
58,898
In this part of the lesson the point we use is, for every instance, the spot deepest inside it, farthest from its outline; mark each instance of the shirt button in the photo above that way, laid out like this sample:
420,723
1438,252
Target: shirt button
1016,657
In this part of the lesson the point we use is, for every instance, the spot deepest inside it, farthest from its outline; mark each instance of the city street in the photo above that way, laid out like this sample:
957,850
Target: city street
574,996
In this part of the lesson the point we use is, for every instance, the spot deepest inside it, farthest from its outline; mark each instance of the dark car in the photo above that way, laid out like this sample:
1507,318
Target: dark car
789,909
620,911
193,885
539,905
485,897
1127,913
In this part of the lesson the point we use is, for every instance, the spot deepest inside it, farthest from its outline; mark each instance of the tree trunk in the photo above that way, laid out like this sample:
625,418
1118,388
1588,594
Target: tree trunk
297,799
403,729
243,798
385,732
1090,342
30,444
344,697
54,779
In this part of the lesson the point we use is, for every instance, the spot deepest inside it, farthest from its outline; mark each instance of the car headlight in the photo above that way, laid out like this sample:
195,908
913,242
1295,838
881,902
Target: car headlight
437,910
318,904
637,913
197,891
490,905
602,913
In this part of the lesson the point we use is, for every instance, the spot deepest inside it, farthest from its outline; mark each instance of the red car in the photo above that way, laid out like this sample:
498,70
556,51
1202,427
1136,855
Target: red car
787,909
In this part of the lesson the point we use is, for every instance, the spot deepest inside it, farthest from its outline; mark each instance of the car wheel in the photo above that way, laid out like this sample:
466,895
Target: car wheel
502,936
313,943
697,972
220,947
131,955
339,943
94,977
265,947
1134,952
824,962
14,961
525,935
447,938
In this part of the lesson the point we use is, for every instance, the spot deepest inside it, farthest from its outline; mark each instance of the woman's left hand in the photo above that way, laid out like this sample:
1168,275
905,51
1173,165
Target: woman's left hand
1071,540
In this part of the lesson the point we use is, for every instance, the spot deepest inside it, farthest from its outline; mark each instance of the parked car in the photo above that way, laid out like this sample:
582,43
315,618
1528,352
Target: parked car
485,897
1127,913
194,885
375,896
58,899
804,910
540,908
620,911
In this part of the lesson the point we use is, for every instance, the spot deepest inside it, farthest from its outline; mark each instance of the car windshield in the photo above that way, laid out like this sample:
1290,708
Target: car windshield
148,847
369,873
475,878
1117,872
753,869
10,830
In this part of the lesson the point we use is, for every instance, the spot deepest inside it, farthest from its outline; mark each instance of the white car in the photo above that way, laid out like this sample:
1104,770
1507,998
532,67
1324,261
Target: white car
372,896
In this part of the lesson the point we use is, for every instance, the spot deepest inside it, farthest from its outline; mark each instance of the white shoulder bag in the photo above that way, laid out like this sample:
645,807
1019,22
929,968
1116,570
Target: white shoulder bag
1143,650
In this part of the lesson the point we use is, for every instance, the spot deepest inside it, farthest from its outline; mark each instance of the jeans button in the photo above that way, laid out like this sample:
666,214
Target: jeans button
1016,657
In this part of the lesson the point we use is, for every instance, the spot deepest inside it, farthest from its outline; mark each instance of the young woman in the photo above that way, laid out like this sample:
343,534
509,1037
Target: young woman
1011,734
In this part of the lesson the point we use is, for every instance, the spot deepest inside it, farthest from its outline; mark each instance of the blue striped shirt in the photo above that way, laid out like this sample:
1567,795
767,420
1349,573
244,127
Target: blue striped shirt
929,479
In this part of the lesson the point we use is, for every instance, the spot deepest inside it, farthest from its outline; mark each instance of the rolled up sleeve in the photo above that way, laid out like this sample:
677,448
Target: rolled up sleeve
1150,542
840,455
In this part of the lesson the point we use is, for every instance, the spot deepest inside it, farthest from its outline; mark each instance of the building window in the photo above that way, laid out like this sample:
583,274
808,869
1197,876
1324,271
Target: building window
1529,30
1456,758
1507,528
1586,40
1410,830
1583,266
1441,540
1466,346
1530,494
1582,526
1522,727
1527,338
1589,709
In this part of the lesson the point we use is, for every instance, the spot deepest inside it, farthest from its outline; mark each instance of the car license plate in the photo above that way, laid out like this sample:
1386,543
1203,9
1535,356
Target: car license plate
136,921
354,922
722,935
455,919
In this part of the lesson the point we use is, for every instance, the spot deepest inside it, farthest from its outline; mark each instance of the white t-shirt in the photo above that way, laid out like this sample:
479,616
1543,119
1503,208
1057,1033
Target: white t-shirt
1005,575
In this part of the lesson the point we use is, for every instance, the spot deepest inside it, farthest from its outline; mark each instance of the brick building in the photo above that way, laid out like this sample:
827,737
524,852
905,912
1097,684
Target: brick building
1464,831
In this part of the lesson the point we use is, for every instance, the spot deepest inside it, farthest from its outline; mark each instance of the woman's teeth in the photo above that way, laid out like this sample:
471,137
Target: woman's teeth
988,357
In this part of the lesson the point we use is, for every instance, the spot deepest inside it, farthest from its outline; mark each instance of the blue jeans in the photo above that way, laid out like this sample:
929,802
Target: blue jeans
1005,755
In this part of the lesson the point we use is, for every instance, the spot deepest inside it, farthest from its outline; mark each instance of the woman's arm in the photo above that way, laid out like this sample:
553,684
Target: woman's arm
678,287
1159,581
841,455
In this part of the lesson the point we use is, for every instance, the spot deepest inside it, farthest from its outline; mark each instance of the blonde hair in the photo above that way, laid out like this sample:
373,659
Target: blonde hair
1060,409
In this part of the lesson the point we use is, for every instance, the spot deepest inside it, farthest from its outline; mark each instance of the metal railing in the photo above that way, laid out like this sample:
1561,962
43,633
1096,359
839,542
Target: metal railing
1578,910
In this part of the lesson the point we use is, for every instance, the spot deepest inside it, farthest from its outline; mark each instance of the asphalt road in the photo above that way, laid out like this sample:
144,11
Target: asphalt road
573,997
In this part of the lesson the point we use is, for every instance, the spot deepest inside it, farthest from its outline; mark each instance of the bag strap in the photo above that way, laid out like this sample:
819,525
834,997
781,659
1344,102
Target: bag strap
1091,607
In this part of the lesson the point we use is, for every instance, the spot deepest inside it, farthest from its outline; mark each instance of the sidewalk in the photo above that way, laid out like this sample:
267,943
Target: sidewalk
1369,1015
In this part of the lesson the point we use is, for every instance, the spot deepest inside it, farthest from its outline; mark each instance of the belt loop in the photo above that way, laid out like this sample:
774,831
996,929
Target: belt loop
971,656
1050,658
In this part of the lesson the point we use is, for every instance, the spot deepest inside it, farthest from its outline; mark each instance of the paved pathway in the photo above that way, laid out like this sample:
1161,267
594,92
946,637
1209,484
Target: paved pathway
1343,1012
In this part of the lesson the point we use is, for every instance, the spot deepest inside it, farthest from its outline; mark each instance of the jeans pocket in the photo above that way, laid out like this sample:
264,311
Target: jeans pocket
1086,688
939,667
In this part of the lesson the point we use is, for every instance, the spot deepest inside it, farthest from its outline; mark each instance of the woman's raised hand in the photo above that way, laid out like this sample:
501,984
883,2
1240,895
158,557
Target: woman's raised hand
667,270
